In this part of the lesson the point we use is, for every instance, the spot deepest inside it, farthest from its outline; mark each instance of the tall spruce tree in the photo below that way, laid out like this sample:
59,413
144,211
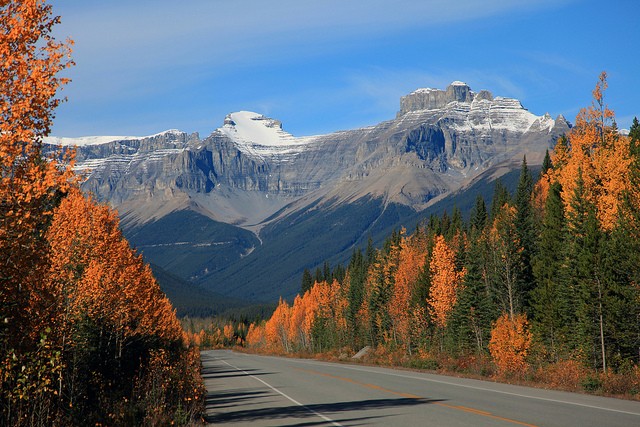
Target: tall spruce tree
621,299
357,273
306,281
469,327
584,263
457,223
500,197
546,163
326,272
479,215
634,131
525,226
550,299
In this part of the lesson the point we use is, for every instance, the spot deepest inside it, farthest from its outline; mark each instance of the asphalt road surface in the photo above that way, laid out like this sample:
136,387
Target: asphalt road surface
273,391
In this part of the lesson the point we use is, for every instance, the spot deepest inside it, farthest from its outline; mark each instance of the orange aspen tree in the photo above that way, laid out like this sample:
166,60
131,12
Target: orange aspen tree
328,305
276,328
311,308
228,333
94,272
296,332
411,261
30,60
600,153
445,281
339,306
510,343
107,309
256,337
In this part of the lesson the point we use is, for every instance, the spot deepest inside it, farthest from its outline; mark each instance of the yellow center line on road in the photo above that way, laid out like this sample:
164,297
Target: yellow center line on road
413,396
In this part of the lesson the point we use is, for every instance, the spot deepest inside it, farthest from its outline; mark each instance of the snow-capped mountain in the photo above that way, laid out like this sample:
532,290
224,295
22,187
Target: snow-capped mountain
257,135
250,173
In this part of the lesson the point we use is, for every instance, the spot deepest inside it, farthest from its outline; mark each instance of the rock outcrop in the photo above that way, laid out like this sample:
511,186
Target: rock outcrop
432,99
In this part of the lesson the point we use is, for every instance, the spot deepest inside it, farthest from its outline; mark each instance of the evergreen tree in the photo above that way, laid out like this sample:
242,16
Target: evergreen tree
457,223
326,272
370,253
469,328
552,316
634,131
433,225
546,163
584,263
479,215
621,300
307,281
500,197
525,226
357,273
339,273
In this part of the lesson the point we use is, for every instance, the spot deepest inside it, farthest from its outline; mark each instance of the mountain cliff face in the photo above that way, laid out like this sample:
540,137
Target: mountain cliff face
252,175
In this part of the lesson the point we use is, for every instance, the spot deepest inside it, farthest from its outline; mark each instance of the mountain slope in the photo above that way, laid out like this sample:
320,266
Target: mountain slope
245,209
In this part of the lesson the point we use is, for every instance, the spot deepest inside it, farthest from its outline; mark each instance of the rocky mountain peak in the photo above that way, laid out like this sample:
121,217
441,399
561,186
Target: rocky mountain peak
257,135
433,99
458,91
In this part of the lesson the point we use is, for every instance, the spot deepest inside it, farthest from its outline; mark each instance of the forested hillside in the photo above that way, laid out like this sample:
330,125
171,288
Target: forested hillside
541,284
86,335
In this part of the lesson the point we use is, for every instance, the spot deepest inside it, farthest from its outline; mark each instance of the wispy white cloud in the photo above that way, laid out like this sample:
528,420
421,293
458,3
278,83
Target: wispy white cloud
143,50
146,35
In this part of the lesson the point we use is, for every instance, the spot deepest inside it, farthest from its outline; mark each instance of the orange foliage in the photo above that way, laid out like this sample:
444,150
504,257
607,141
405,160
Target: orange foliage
326,301
290,327
329,301
445,281
256,336
296,321
412,259
540,194
563,374
510,343
95,273
602,156
277,327
66,264
228,333
30,58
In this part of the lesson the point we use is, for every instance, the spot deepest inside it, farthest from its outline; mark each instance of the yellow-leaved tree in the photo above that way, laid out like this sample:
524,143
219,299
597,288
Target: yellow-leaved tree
446,280
30,185
510,343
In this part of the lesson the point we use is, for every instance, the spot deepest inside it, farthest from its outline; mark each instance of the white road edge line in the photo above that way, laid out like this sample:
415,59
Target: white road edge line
466,386
327,419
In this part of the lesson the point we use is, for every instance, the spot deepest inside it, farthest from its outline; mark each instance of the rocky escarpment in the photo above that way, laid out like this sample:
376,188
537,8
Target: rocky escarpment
432,99
250,168
191,204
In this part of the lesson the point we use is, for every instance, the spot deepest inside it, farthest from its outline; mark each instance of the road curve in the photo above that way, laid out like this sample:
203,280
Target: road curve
256,390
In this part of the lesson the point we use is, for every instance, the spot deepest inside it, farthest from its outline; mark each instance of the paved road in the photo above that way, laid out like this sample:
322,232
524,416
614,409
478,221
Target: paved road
273,391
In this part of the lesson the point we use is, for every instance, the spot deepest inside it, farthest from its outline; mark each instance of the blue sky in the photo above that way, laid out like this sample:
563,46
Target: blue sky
145,66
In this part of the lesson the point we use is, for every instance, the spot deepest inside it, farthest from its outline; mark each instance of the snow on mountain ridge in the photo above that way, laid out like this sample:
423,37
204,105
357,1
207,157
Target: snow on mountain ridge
83,141
470,111
256,134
